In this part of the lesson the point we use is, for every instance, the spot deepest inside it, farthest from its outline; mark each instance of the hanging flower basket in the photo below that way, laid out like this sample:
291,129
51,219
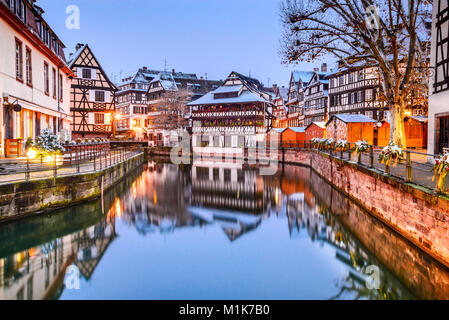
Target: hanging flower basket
391,154
440,171
315,142
341,145
360,147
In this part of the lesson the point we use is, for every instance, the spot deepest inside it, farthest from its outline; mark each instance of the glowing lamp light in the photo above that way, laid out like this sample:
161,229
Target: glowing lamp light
118,116
32,153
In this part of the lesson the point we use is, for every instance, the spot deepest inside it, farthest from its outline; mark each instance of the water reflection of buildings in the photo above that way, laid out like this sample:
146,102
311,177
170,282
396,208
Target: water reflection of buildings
227,194
38,273
158,200
305,211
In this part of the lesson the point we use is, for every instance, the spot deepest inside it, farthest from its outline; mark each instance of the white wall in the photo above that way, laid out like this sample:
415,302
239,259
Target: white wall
438,103
30,97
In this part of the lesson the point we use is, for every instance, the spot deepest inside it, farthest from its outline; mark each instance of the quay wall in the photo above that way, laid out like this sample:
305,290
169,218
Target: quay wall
417,213
22,199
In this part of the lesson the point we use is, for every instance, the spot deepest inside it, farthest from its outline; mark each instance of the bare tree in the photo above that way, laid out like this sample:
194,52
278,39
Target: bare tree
389,34
173,109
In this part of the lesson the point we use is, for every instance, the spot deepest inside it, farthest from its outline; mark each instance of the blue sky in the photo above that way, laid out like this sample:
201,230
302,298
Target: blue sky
194,36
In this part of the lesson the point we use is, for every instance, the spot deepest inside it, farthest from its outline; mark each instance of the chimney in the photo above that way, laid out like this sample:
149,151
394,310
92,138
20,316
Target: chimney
145,68
324,67
173,72
275,87
201,78
316,69
78,46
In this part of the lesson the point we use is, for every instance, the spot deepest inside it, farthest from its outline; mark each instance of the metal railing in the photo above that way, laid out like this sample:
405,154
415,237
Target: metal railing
75,161
416,167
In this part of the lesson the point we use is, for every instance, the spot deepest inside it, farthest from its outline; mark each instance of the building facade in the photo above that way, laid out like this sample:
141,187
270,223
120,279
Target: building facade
316,99
234,116
34,77
438,131
92,104
355,91
295,100
134,107
280,109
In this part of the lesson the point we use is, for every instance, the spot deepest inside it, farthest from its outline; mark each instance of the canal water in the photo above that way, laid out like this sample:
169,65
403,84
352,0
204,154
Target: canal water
214,231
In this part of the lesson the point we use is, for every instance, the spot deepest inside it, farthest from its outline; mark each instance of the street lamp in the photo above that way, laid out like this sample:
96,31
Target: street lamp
115,116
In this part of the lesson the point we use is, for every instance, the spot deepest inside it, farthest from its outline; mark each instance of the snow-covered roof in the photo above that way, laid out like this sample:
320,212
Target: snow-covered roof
322,125
304,76
352,118
279,130
226,89
283,92
75,56
166,80
245,96
419,118
298,129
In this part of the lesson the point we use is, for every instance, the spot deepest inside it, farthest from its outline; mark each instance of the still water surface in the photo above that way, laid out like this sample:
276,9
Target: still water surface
214,231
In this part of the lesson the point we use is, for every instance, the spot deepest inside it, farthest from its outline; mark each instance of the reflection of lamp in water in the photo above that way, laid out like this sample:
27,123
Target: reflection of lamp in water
154,197
118,208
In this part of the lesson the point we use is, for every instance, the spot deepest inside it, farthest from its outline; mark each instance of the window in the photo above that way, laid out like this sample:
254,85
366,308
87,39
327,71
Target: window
19,60
341,80
46,79
54,82
60,88
28,67
99,96
99,118
87,74
138,97
351,77
359,96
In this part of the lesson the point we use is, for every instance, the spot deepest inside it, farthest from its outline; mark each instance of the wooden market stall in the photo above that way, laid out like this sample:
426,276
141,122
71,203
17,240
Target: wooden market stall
415,132
276,134
294,135
315,130
350,127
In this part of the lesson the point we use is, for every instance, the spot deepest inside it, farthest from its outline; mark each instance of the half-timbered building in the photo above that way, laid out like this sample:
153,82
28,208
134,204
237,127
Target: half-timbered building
295,99
316,99
232,117
34,77
355,90
92,96
438,133
132,103
162,121
280,109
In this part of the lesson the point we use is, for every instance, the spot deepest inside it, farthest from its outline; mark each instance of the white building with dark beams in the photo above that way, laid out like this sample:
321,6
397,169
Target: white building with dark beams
316,99
234,116
295,102
34,77
92,104
438,133
355,91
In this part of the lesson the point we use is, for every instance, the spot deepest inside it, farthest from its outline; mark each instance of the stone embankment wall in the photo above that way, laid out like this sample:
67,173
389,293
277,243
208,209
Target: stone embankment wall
414,212
22,199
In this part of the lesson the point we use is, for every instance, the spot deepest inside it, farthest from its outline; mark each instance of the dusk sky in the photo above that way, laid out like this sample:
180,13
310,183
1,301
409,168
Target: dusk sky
194,36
